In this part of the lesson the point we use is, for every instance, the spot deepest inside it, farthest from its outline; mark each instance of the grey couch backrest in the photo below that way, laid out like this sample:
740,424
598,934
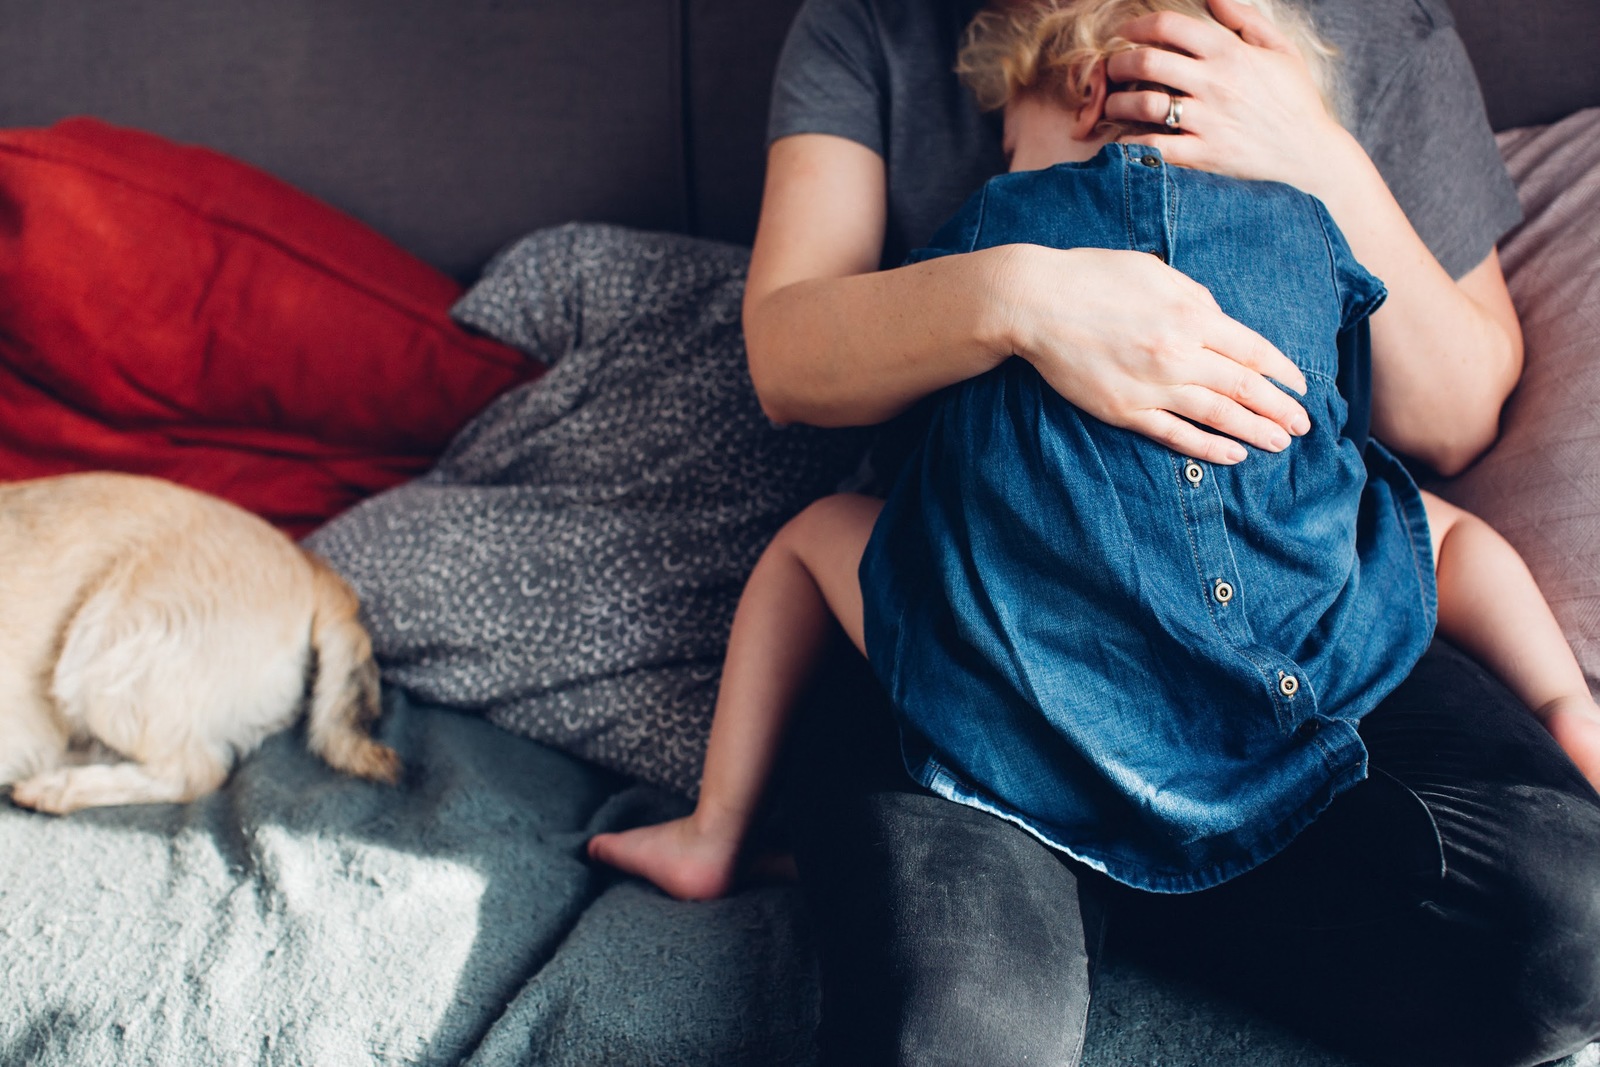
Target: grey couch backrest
1537,60
454,126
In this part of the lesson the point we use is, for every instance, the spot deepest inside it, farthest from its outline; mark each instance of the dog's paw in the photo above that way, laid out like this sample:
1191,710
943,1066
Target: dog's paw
50,792
357,754
380,763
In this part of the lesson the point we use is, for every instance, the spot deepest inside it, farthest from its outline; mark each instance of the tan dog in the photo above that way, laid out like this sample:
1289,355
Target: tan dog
150,635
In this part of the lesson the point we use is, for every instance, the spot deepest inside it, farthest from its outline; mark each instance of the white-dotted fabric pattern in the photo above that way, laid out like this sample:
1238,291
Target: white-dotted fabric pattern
571,566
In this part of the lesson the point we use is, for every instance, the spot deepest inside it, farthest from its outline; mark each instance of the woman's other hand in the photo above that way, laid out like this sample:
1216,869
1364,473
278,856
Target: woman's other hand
1250,106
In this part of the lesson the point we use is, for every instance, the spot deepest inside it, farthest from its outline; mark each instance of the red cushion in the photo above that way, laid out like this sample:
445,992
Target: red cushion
167,310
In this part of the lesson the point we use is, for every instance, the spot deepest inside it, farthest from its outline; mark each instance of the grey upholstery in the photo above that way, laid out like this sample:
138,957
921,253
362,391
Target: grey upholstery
733,47
1537,59
455,126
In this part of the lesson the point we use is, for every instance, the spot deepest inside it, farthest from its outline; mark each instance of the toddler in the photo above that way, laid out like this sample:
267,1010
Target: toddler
1155,665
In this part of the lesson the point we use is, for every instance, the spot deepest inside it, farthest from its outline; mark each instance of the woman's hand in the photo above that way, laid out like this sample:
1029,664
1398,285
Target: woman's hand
835,342
1139,345
1250,107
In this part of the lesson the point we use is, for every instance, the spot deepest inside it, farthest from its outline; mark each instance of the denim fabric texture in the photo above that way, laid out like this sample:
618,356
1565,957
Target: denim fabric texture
1153,664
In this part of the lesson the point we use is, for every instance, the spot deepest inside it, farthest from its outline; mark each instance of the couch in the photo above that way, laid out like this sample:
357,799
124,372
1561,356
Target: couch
297,917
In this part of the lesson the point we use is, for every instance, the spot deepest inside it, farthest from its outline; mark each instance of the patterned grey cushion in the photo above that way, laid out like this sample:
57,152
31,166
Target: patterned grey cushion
572,564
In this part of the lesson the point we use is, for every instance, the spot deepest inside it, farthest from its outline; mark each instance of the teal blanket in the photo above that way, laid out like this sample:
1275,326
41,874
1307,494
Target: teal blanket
298,917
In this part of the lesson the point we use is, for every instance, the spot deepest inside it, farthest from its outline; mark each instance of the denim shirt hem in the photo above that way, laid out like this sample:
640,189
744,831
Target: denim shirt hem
1239,854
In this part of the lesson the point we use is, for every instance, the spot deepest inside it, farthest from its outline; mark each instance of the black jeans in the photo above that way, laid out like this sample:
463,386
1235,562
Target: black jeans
1445,911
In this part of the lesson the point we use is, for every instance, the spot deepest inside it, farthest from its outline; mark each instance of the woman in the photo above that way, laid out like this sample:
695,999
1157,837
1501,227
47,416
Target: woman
1439,912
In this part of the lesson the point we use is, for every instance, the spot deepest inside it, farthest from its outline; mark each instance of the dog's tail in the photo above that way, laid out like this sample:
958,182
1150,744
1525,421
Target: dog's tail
344,697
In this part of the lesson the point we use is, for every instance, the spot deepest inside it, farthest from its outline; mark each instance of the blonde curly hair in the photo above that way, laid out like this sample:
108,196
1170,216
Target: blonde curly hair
1053,46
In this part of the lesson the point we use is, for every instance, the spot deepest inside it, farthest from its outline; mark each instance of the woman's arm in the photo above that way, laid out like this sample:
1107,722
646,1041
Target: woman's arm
833,341
1446,353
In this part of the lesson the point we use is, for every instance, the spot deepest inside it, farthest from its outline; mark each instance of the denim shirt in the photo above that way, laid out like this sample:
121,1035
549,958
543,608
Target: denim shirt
1153,664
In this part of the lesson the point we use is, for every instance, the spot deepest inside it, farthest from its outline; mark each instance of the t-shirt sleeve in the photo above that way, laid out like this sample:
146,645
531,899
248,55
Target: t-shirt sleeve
831,76
1429,136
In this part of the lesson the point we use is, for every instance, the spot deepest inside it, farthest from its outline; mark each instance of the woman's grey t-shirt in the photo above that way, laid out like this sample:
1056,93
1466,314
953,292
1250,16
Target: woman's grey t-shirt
879,73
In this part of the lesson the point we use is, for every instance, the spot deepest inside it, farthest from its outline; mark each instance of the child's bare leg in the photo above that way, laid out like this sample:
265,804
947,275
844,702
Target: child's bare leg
804,581
1490,605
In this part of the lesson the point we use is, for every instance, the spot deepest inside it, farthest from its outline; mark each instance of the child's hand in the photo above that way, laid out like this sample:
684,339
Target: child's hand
1574,721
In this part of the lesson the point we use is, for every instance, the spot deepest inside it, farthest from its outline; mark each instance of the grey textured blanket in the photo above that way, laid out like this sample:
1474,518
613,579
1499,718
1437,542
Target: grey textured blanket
571,565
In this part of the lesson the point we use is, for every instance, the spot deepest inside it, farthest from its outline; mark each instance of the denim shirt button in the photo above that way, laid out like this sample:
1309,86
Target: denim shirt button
1193,472
1162,256
1288,684
1151,161
1222,591
1308,729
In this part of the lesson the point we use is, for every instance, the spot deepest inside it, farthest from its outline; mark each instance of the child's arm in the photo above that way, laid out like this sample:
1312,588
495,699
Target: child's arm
1490,605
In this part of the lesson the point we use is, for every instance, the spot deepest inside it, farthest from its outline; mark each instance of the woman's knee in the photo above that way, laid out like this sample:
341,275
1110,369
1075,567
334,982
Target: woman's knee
979,947
1532,924
1556,962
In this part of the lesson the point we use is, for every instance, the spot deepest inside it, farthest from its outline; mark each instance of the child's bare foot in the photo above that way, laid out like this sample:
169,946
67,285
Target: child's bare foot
1574,722
676,856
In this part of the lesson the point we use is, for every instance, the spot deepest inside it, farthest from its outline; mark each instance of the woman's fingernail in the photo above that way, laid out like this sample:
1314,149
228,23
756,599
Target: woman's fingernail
1234,453
1280,440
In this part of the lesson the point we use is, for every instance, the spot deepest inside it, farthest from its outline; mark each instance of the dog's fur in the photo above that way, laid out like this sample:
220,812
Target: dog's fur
150,635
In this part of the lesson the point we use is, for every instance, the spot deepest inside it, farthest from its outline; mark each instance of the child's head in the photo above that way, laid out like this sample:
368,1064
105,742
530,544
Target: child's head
1053,51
